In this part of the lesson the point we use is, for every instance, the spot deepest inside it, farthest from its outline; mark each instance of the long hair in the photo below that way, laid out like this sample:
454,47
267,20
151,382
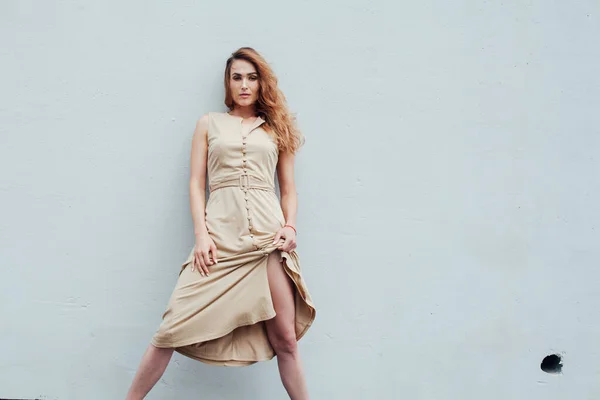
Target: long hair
271,104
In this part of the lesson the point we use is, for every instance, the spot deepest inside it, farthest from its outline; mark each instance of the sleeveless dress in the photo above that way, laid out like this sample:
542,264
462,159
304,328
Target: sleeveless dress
220,319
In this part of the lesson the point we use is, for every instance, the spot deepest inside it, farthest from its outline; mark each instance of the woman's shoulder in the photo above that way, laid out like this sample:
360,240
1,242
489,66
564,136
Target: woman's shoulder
209,119
205,118
215,114
202,122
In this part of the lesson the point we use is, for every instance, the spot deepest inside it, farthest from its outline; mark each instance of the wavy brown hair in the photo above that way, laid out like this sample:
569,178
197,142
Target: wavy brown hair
271,104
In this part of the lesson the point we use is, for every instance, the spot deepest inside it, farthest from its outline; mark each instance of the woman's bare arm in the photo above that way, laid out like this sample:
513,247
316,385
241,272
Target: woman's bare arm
287,187
289,201
198,160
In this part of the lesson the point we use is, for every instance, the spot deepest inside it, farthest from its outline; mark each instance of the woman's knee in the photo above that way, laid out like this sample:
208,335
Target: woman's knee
285,343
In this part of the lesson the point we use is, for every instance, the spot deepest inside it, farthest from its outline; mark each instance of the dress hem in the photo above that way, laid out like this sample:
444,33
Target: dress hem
202,339
180,345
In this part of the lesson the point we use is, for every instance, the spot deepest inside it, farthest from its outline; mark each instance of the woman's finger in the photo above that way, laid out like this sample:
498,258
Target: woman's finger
206,259
213,250
201,266
291,245
196,263
277,237
285,245
206,273
205,262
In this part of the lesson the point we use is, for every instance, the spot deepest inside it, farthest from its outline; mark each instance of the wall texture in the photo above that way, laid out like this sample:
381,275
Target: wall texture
449,225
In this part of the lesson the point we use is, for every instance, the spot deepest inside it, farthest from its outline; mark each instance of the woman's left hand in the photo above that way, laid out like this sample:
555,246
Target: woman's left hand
288,235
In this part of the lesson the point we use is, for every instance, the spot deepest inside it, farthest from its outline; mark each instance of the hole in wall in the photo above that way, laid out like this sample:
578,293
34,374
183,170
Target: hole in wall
552,364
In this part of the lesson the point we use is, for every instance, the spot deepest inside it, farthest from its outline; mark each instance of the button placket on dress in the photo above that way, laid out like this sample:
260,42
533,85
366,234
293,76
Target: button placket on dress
245,183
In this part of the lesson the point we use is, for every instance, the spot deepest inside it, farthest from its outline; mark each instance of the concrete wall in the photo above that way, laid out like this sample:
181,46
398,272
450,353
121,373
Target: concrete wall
449,225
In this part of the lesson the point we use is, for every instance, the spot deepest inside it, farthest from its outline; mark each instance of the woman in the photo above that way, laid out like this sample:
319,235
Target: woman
240,297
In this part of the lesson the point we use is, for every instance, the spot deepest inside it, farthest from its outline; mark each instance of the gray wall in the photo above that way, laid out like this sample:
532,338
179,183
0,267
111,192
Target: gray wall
449,225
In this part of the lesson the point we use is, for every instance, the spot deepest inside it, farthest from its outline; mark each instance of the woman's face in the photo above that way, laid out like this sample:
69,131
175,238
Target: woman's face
243,83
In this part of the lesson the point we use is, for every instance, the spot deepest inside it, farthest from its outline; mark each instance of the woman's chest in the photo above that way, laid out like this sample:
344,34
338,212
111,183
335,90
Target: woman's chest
257,145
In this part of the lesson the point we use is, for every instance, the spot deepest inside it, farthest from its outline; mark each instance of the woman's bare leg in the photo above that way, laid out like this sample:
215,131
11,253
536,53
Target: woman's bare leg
281,329
153,365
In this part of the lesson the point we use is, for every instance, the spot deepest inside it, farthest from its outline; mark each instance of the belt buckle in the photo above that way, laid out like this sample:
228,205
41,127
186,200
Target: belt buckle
244,183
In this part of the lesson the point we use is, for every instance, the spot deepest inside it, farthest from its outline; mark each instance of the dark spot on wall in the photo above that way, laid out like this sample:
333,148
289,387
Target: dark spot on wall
552,364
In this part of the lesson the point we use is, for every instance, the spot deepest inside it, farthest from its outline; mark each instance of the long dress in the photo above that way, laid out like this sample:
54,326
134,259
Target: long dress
220,319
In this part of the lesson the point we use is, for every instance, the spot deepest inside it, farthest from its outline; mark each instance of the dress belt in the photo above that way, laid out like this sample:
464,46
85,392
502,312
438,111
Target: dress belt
243,181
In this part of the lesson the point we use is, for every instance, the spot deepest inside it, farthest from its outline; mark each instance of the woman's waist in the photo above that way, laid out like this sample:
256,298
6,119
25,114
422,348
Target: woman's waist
243,180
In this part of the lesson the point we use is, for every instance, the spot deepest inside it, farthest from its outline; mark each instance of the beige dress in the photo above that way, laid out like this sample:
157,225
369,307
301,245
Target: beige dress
219,319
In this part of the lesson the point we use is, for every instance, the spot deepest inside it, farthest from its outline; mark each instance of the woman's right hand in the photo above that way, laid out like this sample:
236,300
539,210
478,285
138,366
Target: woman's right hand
205,254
